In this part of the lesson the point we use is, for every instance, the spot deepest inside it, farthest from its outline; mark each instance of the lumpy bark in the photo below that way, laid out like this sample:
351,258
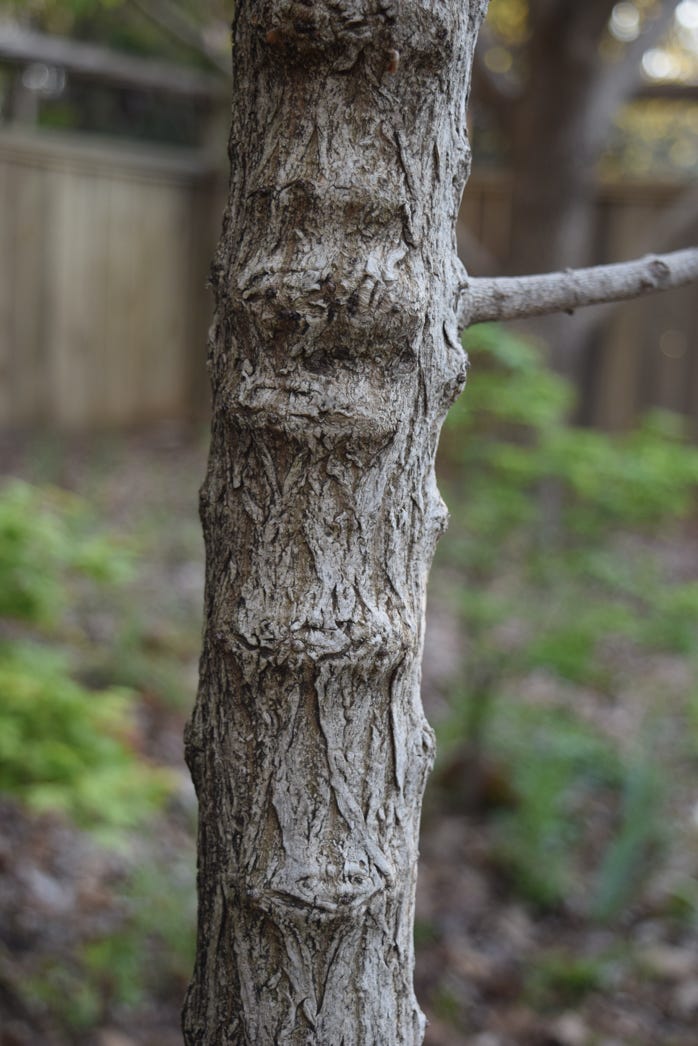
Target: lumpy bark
334,356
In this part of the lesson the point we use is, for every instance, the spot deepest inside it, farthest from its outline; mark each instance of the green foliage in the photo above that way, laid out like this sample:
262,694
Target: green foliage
510,433
449,1005
558,502
570,631
672,623
559,979
89,107
161,920
550,568
119,24
638,832
62,990
152,663
66,748
148,954
645,478
47,535
75,749
62,746
425,932
555,763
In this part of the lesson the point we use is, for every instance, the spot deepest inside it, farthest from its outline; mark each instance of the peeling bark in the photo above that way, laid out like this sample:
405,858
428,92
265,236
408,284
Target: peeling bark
334,357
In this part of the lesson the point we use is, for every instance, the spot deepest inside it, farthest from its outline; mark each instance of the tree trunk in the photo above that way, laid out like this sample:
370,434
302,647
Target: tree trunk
334,357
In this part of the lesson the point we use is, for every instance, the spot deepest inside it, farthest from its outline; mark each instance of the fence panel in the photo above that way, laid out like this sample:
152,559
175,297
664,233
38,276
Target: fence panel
647,352
101,281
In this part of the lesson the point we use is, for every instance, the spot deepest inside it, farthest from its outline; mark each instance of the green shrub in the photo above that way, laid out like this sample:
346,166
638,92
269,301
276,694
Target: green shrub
541,512
147,955
638,832
67,748
47,536
561,980
555,764
549,567
508,436
73,747
63,746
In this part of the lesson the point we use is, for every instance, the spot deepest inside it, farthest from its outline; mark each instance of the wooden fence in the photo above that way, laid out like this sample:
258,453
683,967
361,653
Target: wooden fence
103,259
104,251
647,355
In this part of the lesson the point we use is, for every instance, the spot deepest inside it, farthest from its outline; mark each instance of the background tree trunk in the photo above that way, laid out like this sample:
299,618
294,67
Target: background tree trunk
556,127
334,357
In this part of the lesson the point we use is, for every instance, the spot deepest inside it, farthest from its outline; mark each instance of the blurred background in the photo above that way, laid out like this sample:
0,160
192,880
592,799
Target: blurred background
558,895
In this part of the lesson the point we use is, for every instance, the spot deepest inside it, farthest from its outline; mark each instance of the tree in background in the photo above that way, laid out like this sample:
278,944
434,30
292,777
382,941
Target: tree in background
334,357
552,76
569,69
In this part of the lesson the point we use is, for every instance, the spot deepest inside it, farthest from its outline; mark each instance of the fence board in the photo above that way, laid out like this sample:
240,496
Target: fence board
647,350
671,378
163,281
122,388
26,216
623,359
76,253
6,300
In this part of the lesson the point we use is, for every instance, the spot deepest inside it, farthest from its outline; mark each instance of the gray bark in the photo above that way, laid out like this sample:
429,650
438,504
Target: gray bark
334,357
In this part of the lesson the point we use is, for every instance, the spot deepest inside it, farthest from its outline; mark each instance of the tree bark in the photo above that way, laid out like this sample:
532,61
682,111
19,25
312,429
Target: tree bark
334,356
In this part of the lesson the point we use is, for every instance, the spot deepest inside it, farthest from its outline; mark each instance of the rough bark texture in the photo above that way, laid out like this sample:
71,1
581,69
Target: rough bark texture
334,357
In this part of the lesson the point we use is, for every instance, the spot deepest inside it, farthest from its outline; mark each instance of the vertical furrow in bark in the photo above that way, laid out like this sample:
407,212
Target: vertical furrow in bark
334,356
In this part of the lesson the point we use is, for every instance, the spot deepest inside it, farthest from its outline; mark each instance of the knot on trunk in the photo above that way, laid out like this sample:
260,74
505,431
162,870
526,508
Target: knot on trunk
388,35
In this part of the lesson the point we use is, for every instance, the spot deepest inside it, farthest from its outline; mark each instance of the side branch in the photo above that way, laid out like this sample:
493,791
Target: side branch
520,297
